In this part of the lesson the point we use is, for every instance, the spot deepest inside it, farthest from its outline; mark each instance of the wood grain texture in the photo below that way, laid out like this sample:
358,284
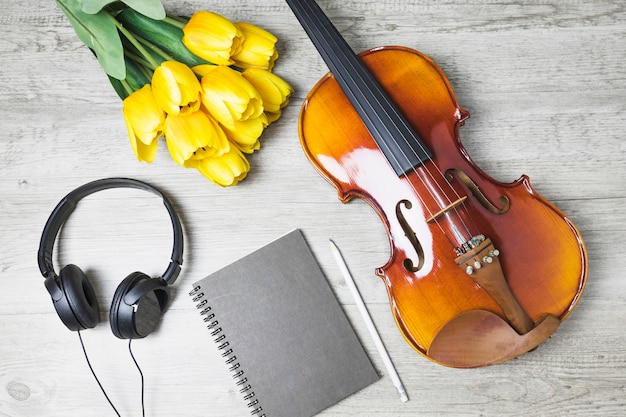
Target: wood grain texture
545,85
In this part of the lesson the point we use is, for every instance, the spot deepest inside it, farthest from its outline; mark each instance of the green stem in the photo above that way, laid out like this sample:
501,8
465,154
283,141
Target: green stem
175,21
139,60
127,86
160,52
132,39
142,63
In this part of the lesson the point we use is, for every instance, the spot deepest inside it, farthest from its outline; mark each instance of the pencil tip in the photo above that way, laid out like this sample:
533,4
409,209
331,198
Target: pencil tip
403,396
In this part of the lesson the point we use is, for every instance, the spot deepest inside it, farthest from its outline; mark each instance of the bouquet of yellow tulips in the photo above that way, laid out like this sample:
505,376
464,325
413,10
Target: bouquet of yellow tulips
204,83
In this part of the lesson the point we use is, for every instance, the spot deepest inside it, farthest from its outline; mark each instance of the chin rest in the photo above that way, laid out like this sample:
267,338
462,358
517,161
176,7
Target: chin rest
478,338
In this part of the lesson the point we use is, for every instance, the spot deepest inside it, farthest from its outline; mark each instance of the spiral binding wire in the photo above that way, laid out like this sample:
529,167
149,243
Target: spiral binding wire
227,351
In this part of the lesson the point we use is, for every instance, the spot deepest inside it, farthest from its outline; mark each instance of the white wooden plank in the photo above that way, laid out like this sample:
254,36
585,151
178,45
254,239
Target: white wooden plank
545,86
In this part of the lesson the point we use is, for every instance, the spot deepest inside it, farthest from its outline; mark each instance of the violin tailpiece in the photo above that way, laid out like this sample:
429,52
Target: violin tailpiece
482,264
478,338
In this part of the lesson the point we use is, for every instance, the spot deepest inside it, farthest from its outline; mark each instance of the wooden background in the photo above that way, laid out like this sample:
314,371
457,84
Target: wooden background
544,82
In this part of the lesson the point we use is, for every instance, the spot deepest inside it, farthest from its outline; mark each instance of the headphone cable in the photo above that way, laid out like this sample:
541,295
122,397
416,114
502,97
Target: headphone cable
94,375
143,410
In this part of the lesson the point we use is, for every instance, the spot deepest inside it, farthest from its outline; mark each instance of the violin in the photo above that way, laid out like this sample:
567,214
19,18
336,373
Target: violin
480,271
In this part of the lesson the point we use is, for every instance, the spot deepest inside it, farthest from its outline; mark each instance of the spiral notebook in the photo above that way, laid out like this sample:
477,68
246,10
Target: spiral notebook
282,331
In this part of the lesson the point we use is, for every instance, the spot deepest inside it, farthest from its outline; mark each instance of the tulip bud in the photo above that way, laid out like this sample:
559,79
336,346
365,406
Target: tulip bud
176,88
274,91
258,48
144,122
245,135
212,37
194,135
229,97
225,170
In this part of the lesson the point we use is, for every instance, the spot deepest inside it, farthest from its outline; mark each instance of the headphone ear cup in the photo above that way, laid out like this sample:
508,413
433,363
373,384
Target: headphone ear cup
78,305
137,306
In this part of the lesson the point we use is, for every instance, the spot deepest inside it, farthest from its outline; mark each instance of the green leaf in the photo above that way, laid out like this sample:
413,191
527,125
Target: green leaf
151,8
161,34
99,33
135,79
118,87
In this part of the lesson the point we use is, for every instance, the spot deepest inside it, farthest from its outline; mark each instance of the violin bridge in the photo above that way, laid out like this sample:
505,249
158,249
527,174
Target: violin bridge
446,209
465,179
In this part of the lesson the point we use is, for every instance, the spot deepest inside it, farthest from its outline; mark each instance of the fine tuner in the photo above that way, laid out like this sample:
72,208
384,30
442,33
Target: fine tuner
486,259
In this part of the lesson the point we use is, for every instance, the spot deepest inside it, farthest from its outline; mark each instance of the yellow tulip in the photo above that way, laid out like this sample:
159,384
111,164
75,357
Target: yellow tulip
258,48
194,135
229,97
225,170
245,135
144,123
212,37
176,88
274,91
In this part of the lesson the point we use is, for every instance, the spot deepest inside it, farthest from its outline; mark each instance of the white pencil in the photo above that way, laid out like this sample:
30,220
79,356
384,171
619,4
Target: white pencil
369,323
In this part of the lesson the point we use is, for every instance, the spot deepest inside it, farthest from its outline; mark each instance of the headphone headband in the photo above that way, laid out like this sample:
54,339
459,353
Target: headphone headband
67,205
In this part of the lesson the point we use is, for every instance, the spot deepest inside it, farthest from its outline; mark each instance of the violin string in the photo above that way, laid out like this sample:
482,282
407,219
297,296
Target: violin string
325,40
347,73
426,169
338,47
376,87
356,102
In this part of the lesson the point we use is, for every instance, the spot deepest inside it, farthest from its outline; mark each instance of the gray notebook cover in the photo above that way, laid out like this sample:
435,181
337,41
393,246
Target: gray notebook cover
283,333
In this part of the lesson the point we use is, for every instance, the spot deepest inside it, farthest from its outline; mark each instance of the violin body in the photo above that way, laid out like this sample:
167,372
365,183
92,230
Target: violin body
540,254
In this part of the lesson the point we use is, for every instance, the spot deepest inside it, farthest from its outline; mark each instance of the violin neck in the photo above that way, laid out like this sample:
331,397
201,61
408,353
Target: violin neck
392,133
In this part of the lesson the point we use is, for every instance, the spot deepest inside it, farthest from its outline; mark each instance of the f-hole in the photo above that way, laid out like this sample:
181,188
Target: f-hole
408,264
484,201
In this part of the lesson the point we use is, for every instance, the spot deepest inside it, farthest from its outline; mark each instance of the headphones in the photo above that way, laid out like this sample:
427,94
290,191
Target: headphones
139,301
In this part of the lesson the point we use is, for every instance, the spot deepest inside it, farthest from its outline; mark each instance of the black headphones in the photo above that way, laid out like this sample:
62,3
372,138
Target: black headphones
139,301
